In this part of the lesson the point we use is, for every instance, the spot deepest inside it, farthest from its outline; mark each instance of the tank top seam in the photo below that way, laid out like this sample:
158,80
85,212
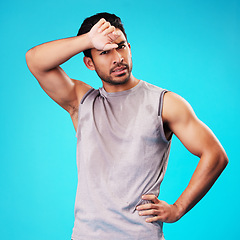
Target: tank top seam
160,91
85,97
121,93
160,107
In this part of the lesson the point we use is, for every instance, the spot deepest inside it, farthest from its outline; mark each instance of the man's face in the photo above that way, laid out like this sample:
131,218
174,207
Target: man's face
114,66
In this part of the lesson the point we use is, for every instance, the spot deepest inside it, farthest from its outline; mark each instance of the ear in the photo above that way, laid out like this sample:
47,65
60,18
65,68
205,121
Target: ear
89,63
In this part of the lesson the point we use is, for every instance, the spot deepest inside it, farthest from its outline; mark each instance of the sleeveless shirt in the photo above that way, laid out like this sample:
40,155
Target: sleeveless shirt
122,153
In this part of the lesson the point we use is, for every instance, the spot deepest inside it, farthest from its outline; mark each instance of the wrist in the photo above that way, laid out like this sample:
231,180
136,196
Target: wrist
88,40
179,210
84,42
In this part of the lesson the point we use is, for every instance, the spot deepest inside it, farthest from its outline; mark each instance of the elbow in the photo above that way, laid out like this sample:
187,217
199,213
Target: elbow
29,58
222,160
226,160
35,62
218,160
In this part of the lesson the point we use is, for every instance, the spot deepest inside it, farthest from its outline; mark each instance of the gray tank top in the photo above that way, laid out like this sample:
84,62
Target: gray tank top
122,153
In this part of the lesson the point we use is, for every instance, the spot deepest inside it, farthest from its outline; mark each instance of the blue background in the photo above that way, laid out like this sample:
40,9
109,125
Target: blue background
189,47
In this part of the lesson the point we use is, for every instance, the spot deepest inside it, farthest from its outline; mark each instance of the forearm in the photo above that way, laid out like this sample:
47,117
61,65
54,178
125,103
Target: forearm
200,141
208,170
52,54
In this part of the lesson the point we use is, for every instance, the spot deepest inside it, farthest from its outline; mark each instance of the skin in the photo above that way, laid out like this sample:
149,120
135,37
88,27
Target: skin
106,62
111,51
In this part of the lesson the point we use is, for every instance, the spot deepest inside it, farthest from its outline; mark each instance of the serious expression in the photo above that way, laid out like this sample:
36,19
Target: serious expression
114,66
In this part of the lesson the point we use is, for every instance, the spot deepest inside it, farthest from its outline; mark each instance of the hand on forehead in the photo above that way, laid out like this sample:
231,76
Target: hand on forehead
106,28
103,36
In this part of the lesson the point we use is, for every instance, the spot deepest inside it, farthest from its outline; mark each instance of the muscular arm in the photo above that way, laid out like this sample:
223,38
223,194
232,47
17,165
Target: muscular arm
44,60
200,141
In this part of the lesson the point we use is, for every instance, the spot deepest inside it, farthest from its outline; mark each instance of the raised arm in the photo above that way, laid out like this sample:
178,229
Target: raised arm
44,60
200,141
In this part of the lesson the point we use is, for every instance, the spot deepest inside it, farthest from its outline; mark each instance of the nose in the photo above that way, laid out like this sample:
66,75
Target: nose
117,57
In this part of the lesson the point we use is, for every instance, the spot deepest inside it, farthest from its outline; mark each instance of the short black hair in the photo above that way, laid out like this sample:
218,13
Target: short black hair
89,22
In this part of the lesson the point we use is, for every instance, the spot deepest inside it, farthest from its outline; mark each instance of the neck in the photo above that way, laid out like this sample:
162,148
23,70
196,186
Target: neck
132,82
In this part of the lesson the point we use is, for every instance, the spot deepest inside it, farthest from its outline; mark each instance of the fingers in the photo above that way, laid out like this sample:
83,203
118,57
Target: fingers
150,209
109,30
148,212
110,46
151,197
103,35
100,22
146,206
106,28
158,210
104,25
153,219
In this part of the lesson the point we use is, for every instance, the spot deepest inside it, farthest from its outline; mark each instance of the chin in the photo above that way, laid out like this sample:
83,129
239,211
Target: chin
116,81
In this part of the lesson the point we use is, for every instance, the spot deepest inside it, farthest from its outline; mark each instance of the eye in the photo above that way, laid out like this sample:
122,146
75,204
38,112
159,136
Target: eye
122,46
104,52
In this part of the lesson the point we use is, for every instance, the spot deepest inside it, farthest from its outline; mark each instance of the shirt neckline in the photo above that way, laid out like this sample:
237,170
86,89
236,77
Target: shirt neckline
104,93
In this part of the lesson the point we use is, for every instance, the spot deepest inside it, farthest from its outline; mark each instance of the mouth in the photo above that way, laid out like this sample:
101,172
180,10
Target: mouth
119,70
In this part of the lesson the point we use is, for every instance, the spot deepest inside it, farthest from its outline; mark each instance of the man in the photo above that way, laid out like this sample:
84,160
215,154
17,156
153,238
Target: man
124,132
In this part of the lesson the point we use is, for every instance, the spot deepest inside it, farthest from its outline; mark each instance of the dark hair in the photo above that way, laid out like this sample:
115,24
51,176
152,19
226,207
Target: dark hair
89,22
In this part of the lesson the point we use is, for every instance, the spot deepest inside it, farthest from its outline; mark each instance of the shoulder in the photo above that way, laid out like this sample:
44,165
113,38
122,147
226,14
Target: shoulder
176,108
152,88
80,89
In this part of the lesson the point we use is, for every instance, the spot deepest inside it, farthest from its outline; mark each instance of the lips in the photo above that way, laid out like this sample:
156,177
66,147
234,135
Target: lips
119,70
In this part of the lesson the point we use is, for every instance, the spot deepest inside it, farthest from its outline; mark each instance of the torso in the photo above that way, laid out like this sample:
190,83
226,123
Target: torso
121,154
74,117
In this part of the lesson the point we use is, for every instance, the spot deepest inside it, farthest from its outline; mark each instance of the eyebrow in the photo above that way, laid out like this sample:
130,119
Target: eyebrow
122,42
119,44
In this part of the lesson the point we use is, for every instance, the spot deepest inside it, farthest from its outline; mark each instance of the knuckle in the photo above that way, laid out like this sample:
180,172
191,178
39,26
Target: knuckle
152,212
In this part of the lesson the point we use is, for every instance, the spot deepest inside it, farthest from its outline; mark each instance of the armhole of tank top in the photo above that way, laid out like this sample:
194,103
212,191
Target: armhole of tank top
160,107
79,108
86,94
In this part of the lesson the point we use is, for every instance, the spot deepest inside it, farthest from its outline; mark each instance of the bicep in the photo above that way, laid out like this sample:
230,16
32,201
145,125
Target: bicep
62,89
195,136
192,132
